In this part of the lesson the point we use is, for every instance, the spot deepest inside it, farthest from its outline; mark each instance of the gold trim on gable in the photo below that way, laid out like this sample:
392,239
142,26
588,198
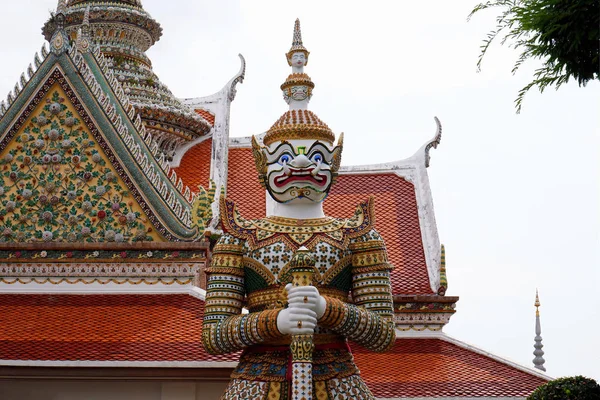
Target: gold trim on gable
63,185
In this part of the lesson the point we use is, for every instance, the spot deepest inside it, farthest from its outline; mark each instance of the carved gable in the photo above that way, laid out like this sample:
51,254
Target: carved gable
57,183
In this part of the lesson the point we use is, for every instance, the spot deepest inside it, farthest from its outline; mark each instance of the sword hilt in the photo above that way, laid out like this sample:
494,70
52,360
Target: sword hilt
302,271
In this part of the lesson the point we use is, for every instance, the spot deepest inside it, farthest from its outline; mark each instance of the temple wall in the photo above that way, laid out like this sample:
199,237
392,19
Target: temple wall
109,390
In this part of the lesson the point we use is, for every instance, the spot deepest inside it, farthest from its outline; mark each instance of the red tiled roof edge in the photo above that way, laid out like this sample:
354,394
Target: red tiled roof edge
105,330
436,365
504,360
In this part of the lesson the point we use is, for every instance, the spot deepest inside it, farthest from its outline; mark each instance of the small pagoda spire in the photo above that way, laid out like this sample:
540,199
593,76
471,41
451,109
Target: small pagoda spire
84,39
60,40
62,7
538,361
86,18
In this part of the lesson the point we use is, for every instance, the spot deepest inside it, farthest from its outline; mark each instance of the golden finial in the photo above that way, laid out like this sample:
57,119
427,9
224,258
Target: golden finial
537,304
443,279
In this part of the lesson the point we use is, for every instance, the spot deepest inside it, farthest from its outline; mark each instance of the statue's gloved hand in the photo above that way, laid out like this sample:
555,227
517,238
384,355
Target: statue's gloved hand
307,297
305,305
296,321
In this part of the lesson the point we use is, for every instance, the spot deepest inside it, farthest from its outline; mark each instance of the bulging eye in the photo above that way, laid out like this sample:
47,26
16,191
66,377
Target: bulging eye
284,159
317,158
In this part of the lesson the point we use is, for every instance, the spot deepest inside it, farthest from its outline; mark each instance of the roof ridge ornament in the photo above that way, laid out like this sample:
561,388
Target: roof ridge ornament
538,361
60,40
443,278
433,143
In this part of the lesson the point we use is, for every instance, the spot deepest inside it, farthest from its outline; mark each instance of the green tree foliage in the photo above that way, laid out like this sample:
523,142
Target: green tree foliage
564,34
571,388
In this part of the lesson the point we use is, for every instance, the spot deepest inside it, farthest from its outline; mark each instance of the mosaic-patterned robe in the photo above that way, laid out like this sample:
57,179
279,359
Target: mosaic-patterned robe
353,275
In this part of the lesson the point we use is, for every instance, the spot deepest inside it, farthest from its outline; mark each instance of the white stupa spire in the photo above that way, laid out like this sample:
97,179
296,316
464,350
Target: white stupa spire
538,361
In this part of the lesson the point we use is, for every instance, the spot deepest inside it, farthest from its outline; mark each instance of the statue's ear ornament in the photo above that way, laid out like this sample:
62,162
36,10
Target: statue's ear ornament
260,161
337,155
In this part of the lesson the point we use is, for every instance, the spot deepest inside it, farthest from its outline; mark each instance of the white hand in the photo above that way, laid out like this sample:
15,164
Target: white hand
305,305
307,297
295,321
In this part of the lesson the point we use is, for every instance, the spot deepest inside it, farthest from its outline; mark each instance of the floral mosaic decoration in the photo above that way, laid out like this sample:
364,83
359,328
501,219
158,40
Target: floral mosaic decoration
55,185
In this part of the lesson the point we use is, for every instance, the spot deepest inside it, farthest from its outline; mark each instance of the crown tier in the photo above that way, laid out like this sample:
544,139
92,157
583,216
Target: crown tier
299,124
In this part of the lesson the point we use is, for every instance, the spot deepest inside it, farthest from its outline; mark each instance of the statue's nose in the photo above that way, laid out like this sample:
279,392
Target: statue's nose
301,161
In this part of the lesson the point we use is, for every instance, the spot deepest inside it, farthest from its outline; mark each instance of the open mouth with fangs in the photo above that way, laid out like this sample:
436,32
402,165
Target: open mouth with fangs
304,175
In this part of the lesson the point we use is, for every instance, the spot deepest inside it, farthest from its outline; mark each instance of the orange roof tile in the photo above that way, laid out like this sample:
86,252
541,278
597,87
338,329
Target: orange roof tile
437,368
207,115
242,184
194,168
129,327
397,220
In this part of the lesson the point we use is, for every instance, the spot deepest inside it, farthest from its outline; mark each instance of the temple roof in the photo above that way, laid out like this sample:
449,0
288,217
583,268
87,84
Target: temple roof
103,328
129,330
442,368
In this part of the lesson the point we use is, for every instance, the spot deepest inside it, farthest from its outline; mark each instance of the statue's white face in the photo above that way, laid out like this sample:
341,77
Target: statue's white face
299,93
298,59
299,170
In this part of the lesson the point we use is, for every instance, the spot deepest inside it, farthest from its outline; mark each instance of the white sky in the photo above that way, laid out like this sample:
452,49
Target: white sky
516,196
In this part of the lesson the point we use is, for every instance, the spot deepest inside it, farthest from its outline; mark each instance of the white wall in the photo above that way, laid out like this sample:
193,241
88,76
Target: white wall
109,390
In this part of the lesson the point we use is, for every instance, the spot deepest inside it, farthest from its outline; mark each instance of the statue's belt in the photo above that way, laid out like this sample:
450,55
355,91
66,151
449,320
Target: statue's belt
339,345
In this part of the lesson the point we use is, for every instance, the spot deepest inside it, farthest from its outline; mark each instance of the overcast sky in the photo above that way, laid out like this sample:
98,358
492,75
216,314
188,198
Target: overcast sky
516,196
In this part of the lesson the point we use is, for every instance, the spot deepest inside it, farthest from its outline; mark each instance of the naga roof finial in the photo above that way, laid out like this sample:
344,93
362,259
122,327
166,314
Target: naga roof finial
297,45
538,361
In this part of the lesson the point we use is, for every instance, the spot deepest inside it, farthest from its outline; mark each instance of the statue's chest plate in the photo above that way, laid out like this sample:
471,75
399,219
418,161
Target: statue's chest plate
268,254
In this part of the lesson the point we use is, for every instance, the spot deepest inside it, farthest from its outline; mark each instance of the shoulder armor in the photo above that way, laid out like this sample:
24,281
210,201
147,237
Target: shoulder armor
232,222
363,219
